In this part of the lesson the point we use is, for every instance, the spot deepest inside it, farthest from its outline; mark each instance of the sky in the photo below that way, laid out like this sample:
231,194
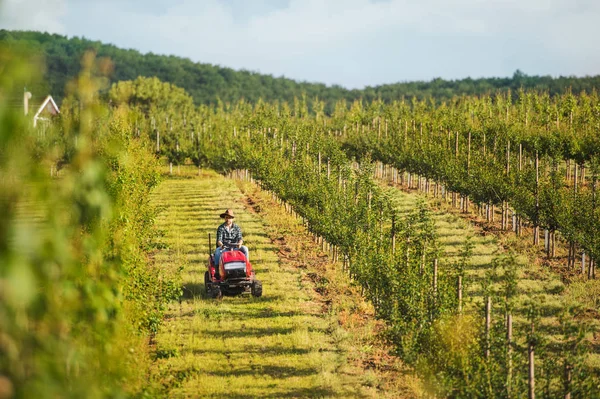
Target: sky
352,43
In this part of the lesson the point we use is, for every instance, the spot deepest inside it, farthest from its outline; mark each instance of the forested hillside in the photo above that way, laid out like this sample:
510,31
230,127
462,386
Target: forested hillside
208,83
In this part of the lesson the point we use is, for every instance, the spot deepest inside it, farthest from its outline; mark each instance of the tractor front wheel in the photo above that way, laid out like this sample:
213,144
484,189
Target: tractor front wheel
212,290
256,288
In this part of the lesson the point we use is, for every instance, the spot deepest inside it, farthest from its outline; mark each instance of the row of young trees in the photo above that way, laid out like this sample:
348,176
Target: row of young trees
78,299
397,261
538,158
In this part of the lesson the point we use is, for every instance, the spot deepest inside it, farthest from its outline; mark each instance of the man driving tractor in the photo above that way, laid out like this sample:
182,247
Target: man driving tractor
229,236
229,270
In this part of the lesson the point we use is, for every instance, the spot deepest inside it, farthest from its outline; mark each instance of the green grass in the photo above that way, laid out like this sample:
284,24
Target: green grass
535,283
287,344
277,346
452,231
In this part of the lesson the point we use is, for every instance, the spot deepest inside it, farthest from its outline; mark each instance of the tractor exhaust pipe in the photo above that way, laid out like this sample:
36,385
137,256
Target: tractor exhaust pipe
209,245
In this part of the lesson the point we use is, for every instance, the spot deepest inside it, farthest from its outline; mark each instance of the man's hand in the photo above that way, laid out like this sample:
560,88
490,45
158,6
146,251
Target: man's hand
219,244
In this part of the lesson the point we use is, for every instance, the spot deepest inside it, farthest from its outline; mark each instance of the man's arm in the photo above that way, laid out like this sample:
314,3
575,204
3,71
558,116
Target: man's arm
220,236
240,241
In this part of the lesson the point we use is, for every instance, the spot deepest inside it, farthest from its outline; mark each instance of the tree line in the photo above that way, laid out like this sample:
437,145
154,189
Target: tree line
209,84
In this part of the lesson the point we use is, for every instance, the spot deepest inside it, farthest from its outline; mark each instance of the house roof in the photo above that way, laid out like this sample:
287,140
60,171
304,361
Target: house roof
48,105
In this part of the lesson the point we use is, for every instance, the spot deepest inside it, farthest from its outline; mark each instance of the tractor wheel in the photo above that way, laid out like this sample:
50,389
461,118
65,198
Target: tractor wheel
207,283
216,293
256,288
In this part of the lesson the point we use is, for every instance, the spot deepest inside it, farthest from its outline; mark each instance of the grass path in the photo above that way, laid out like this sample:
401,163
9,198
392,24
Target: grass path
534,282
281,345
453,231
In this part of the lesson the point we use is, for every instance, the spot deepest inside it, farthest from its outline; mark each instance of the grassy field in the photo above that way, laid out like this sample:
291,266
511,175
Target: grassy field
453,231
536,283
310,335
290,343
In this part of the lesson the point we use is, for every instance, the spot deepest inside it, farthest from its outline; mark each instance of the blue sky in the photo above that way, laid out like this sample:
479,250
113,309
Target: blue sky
353,43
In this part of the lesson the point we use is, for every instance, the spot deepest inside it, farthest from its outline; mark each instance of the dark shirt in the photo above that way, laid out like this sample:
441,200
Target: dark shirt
231,237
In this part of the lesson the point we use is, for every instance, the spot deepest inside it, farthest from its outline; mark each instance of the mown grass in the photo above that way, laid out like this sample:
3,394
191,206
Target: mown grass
352,323
284,344
536,284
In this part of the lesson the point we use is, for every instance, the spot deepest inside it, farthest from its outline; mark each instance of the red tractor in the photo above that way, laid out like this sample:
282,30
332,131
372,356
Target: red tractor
232,276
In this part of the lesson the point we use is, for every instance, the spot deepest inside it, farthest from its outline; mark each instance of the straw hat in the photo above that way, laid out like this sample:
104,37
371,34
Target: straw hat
229,213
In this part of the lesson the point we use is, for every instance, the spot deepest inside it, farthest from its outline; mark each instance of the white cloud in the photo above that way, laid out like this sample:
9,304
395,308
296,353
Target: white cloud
41,15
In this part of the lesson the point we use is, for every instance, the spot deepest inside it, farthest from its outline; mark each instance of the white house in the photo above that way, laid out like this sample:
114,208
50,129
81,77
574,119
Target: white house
47,109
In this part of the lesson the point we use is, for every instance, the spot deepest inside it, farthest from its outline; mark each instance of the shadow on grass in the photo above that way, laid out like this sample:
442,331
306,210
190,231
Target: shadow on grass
272,351
198,265
261,314
249,332
192,290
245,299
270,370
316,392
195,290
452,243
475,291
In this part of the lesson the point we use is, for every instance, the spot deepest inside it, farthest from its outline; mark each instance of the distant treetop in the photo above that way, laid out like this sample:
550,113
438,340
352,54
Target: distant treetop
208,84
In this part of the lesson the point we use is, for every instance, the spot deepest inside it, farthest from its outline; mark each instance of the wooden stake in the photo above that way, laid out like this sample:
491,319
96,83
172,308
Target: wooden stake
568,377
509,365
508,158
531,350
393,233
469,154
514,221
536,228
520,157
435,279
488,322
459,289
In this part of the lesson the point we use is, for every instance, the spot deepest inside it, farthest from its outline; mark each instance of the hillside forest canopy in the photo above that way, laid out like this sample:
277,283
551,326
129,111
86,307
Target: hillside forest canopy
209,84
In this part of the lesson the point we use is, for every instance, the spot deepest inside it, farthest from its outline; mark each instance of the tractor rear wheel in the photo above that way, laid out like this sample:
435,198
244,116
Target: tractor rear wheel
256,288
207,283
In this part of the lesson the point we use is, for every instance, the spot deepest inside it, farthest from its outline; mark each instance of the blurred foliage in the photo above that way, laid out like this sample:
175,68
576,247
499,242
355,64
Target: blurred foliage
78,298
